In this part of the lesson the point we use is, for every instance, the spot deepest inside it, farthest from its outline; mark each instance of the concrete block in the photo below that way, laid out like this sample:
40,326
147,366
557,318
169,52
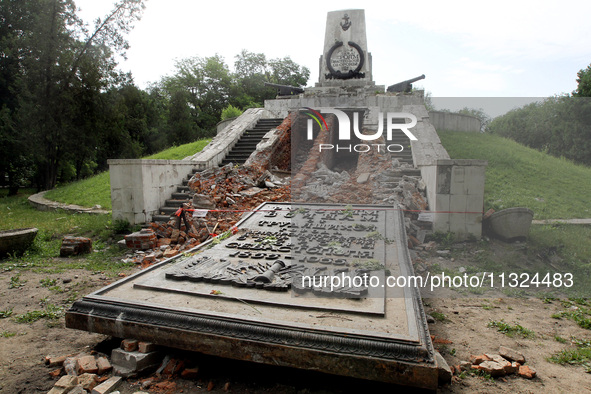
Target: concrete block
474,203
458,203
442,202
457,184
134,361
457,223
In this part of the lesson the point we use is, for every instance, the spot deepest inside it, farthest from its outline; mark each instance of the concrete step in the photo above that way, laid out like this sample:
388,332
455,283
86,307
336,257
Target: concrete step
181,196
160,218
167,210
174,203
184,188
233,161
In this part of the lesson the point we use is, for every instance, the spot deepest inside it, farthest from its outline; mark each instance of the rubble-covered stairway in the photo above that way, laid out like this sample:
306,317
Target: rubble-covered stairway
182,195
249,141
399,138
238,155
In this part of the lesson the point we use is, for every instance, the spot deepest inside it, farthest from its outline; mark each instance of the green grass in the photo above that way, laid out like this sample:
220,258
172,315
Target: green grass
96,190
511,330
7,334
180,152
580,355
51,312
518,176
16,212
577,310
6,313
88,192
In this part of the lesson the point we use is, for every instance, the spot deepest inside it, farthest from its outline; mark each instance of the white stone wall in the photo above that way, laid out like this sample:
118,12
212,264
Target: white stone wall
454,122
140,187
455,190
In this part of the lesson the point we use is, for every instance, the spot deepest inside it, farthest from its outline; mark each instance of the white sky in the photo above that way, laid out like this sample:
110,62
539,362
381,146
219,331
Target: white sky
465,48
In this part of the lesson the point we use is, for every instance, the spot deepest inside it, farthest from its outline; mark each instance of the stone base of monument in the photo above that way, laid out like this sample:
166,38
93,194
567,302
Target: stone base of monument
239,297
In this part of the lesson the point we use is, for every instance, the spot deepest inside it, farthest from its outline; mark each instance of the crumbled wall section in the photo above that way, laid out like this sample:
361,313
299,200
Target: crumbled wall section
274,150
314,156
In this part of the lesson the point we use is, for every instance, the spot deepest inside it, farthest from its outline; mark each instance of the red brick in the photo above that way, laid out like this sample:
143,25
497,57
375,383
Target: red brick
146,347
56,372
476,360
526,372
190,373
103,365
86,364
164,241
170,253
88,381
55,361
129,345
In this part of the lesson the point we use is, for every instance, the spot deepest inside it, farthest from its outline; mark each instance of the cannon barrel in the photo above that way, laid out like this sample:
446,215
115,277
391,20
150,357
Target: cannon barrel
285,90
404,86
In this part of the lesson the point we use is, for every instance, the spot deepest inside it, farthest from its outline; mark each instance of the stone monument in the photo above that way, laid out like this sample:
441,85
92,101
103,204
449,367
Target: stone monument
345,56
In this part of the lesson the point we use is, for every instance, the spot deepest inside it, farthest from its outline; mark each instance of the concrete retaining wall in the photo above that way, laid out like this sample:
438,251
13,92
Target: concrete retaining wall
455,122
140,187
455,190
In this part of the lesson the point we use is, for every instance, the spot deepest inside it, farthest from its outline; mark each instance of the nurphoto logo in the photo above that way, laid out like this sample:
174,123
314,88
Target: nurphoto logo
345,129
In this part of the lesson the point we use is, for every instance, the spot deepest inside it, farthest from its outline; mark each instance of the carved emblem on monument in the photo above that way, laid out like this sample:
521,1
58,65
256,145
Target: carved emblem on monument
347,23
345,62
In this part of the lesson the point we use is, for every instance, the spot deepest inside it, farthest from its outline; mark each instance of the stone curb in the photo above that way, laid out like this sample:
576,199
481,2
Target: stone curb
42,204
567,221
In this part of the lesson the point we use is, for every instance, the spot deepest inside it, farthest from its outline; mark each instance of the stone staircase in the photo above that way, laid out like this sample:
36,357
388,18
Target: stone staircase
182,195
249,140
398,137
238,155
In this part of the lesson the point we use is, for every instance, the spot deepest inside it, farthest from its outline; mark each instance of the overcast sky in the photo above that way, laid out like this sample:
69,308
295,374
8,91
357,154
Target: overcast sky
465,48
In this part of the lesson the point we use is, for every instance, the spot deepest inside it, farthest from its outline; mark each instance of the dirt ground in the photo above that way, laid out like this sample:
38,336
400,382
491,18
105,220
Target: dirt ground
460,330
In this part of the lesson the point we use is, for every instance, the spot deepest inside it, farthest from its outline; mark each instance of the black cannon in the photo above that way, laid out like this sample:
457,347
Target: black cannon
285,90
404,86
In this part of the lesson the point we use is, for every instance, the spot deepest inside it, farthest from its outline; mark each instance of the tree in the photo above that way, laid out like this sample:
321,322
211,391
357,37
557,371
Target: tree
197,93
287,72
60,69
584,83
560,126
252,70
477,113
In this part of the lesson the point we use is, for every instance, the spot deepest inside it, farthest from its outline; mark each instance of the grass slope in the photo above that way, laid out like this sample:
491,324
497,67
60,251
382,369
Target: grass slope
96,190
518,176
